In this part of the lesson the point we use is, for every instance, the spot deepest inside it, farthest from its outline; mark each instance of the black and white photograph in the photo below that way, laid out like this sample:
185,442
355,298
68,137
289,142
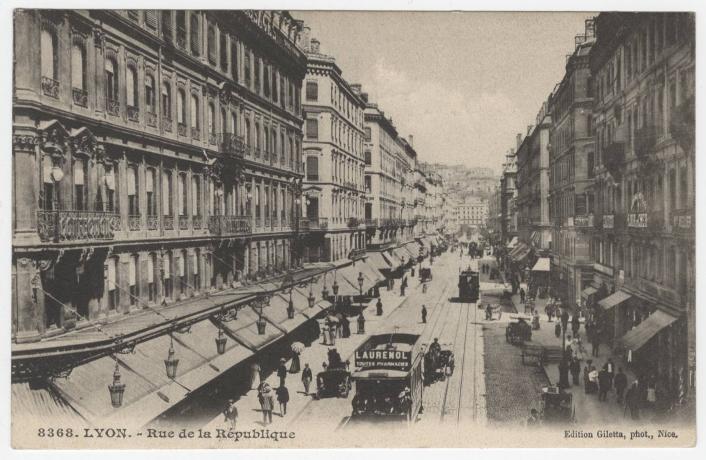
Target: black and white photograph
240,228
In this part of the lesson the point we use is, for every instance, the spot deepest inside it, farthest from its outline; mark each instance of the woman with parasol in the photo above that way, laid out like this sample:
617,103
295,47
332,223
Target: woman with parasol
295,366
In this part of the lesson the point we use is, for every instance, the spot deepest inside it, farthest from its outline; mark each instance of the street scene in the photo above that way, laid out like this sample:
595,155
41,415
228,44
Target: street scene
221,238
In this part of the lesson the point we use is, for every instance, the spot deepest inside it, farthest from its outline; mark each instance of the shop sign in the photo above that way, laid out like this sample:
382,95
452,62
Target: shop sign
383,359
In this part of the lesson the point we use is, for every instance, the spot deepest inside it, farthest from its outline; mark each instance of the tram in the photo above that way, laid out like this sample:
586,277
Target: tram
388,378
469,283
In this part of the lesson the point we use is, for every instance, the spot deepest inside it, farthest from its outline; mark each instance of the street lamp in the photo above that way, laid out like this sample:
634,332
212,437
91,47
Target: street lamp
324,291
361,280
221,342
116,389
171,363
259,304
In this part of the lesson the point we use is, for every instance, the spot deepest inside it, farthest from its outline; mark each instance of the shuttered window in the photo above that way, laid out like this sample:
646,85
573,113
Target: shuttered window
132,270
111,274
150,269
167,265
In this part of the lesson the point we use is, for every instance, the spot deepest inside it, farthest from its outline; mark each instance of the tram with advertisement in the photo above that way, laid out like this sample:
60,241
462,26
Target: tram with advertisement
469,283
388,378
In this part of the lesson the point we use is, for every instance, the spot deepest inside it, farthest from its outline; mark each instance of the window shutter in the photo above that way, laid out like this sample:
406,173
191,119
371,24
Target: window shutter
111,274
180,265
149,183
131,178
167,261
165,194
195,266
78,172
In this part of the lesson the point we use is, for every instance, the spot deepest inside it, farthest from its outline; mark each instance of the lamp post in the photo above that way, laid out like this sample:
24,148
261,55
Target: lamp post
564,365
289,281
324,291
116,389
361,280
259,304
221,342
335,289
171,363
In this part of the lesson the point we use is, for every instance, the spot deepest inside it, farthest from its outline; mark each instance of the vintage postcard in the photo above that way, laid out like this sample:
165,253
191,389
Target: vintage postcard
311,229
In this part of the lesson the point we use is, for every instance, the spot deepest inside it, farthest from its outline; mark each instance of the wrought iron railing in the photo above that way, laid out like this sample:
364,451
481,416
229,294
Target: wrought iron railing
112,106
183,222
151,119
79,96
229,225
50,87
318,223
57,226
133,113
352,222
371,223
231,144
304,224
168,222
152,222
182,129
134,222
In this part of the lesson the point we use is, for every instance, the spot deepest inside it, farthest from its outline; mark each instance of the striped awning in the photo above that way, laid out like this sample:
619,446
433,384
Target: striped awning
638,336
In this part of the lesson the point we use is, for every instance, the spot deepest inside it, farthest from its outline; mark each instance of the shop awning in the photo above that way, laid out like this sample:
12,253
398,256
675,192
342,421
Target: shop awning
347,279
520,252
588,292
414,248
536,239
401,254
512,243
276,313
373,273
244,329
614,299
378,261
35,404
542,265
392,259
643,332
148,390
426,243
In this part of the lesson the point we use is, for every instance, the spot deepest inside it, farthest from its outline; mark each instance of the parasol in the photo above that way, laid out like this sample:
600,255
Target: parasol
332,318
297,347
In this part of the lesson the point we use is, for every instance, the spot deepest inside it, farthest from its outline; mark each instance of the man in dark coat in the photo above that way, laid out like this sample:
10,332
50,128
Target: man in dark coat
620,381
282,372
283,399
378,306
603,384
345,327
632,400
575,368
522,295
424,314
575,325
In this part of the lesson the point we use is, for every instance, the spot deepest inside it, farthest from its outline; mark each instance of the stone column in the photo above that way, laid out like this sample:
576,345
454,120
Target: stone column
28,301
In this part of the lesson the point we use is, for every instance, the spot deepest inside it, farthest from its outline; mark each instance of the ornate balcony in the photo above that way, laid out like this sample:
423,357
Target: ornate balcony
167,124
182,129
112,107
371,223
50,87
168,222
356,254
257,152
184,222
608,221
79,96
151,119
59,226
304,224
231,144
152,222
196,222
268,222
583,221
134,222
614,158
352,222
212,138
229,225
318,223
683,220
133,113
195,133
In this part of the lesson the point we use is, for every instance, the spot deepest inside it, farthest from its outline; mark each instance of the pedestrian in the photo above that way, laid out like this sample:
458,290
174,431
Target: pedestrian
345,327
610,367
306,378
282,371
557,330
575,325
267,403
575,368
361,323
254,376
488,313
378,306
603,383
549,310
424,314
231,414
282,399
632,400
522,295
620,381
595,343
533,419
295,365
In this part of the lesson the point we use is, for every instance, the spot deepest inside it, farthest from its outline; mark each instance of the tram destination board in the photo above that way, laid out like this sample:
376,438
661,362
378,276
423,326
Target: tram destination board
383,359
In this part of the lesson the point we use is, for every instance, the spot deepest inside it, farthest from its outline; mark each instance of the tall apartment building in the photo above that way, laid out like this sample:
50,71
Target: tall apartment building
472,213
572,167
333,188
642,67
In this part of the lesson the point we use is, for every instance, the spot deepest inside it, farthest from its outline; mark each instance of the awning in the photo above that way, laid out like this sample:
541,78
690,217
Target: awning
588,292
347,279
426,243
413,251
614,299
149,392
244,329
36,404
536,239
520,252
401,254
276,313
373,273
643,332
542,265
392,259
378,261
512,243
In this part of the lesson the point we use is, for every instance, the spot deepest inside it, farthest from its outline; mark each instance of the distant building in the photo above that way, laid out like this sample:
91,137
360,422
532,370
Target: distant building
472,213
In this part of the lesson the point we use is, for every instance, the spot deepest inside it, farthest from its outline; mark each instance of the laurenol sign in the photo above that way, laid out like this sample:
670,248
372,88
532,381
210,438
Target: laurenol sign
383,359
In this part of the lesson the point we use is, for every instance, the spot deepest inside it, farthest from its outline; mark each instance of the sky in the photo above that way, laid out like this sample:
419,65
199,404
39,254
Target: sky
462,83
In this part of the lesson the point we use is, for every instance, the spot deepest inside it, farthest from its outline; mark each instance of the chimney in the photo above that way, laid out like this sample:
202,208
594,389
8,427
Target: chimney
364,96
356,88
315,45
305,38
518,140
411,140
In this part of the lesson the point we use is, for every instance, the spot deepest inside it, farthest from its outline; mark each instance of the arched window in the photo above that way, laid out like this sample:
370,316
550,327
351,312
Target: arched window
194,111
149,93
247,132
211,118
195,38
111,80
150,179
181,107
211,43
195,195
223,125
131,86
233,123
78,67
50,55
166,100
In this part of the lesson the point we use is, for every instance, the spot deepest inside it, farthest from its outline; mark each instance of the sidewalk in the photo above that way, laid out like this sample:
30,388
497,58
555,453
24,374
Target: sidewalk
587,406
250,415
